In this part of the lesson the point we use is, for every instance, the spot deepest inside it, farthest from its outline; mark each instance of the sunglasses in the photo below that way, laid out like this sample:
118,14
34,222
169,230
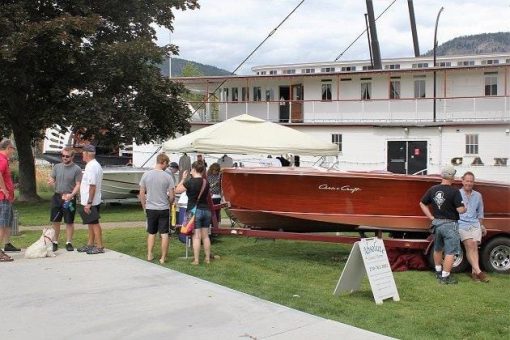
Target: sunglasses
66,156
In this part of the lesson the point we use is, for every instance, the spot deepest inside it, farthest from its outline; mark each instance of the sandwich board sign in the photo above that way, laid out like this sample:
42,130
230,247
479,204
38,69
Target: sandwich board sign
368,256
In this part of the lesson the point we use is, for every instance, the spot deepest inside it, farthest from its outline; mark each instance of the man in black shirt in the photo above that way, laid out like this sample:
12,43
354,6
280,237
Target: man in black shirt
446,203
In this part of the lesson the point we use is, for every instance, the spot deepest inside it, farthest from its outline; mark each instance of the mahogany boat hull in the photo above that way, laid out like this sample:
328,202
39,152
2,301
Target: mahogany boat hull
313,200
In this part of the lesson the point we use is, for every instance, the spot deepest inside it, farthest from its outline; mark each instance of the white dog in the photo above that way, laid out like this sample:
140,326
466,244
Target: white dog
43,247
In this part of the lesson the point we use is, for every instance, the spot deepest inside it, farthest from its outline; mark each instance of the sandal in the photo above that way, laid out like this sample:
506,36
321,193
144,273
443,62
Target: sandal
5,258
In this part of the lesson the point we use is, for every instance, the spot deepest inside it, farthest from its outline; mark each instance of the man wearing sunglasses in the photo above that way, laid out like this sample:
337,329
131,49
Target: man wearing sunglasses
66,177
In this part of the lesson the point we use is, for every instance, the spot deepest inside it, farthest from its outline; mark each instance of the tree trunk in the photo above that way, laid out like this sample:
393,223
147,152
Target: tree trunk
27,183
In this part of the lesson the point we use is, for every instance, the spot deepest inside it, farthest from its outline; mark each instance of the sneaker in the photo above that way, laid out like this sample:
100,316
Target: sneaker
482,277
449,280
439,274
69,246
55,247
95,250
84,249
10,247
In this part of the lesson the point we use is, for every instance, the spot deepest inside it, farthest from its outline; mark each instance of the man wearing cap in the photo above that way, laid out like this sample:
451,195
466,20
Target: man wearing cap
445,201
6,198
90,198
172,169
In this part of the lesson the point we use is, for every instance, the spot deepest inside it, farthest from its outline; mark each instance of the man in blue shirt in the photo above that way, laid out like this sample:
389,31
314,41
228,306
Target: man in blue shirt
471,226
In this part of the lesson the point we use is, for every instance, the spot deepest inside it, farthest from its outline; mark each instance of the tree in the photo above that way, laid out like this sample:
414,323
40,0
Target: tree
90,64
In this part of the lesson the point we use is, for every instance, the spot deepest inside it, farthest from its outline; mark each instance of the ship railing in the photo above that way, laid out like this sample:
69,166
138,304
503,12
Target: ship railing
406,110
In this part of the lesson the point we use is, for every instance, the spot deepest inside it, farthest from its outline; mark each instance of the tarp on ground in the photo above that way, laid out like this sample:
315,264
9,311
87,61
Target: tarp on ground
246,134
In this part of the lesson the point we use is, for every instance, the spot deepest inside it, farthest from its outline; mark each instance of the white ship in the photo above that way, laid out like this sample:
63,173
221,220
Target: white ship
381,119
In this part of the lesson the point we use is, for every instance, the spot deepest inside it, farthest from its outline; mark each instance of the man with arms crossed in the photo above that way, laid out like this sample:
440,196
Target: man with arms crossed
446,203
66,177
90,198
471,226
6,198
156,196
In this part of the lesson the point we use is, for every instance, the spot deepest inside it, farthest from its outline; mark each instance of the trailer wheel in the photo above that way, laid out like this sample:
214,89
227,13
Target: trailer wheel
459,265
496,255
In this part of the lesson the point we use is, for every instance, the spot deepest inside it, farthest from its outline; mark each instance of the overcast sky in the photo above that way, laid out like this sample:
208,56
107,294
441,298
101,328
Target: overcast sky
223,32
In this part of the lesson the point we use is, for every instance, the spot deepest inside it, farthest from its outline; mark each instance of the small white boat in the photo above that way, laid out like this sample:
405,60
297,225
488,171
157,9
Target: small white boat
121,183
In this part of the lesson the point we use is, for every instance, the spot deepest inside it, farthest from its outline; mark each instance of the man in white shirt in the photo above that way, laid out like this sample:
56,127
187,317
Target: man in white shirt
90,199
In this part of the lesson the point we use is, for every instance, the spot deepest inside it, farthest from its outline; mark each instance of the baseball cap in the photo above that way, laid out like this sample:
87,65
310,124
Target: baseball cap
448,172
89,148
174,165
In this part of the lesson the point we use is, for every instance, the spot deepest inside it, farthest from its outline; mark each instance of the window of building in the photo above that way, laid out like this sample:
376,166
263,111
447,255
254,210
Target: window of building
491,84
326,92
327,69
245,94
235,94
508,61
368,67
419,88
392,67
336,138
472,144
308,70
262,73
395,89
348,68
273,72
490,62
366,90
421,65
466,63
225,94
289,71
257,94
269,95
445,64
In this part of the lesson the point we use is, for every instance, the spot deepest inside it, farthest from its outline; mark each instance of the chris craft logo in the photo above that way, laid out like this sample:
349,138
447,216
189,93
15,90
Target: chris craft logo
347,188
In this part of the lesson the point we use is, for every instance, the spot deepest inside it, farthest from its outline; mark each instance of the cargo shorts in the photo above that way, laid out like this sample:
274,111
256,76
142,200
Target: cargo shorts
447,238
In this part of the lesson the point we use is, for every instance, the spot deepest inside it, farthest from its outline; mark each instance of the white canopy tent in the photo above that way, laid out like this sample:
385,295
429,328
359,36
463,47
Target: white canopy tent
246,134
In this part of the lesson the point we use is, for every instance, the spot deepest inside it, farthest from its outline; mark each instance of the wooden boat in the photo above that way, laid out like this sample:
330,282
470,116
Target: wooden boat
313,200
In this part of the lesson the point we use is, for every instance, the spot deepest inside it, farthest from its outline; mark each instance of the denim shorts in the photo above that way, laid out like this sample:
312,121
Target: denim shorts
6,214
202,218
447,238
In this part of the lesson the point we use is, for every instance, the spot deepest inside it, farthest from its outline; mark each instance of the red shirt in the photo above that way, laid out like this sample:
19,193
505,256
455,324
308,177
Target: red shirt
6,175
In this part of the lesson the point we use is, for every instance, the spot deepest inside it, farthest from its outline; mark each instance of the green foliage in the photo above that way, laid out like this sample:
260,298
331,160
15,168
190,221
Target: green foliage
90,64
179,64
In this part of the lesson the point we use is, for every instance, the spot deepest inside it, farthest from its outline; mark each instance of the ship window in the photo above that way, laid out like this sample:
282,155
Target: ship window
366,91
394,89
392,67
348,68
257,94
225,94
272,72
419,88
327,69
368,67
262,73
490,62
244,94
421,65
466,63
326,91
235,94
308,70
289,71
491,84
472,144
445,64
336,138
269,95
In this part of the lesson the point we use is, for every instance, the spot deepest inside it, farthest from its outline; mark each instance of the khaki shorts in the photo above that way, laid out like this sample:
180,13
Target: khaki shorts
473,232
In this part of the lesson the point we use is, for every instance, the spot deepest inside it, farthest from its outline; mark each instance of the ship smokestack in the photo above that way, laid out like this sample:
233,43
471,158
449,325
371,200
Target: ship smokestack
413,28
376,52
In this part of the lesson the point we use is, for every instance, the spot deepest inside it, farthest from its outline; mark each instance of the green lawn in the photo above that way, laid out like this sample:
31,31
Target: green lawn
303,275
37,214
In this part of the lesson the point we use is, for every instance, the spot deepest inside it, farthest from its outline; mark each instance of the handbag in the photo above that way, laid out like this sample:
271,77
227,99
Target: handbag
189,225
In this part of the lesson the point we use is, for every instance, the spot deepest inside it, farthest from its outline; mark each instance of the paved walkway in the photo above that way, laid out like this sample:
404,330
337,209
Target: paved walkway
115,296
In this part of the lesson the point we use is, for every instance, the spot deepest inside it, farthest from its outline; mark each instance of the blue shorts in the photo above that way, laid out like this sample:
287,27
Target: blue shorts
447,238
6,214
202,218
